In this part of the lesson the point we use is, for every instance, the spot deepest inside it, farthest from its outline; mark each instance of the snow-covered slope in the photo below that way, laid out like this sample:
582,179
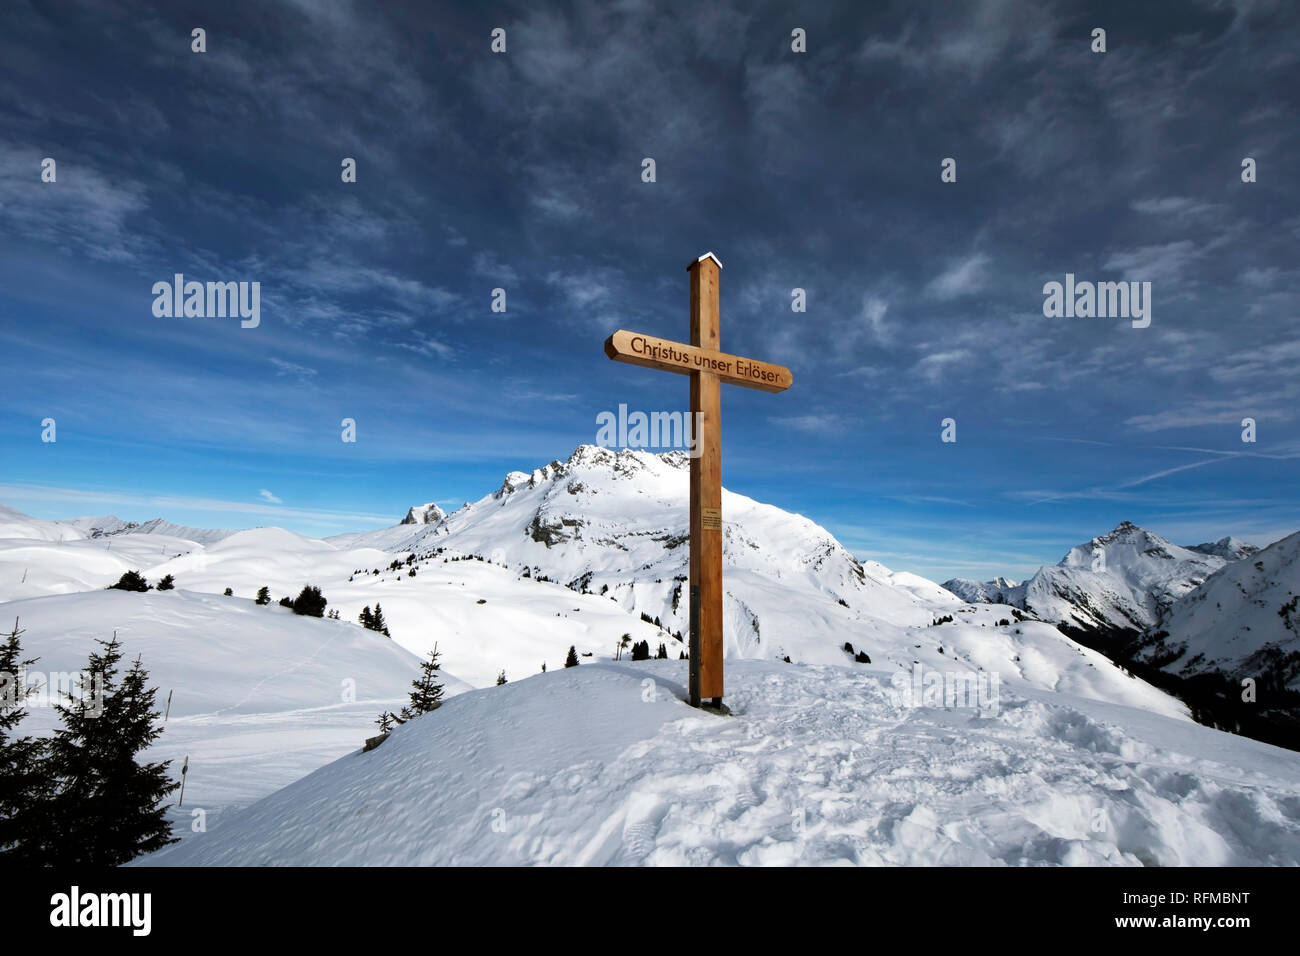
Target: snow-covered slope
18,526
1121,581
603,764
260,695
1244,621
45,564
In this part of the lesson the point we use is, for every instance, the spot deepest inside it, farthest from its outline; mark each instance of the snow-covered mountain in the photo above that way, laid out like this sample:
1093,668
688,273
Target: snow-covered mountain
1229,548
615,523
1243,621
996,591
107,525
582,552
1123,581
424,514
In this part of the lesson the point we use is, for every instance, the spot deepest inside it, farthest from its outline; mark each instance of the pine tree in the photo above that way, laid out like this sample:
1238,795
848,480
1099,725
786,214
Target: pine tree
130,581
310,602
572,659
23,782
167,583
662,653
378,623
263,595
426,693
365,618
501,678
107,808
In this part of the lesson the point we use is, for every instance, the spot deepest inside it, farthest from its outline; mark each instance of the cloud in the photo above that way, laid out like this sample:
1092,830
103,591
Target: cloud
872,316
267,496
962,277
1173,206
300,372
1165,262
970,39
1133,482
1210,412
486,265
85,210
163,503
932,366
825,424
427,345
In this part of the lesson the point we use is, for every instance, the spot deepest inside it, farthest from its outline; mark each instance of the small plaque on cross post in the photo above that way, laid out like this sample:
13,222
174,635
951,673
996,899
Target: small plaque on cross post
708,368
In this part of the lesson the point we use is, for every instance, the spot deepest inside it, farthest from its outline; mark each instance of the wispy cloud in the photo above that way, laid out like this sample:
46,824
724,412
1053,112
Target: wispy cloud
824,424
163,504
963,277
293,369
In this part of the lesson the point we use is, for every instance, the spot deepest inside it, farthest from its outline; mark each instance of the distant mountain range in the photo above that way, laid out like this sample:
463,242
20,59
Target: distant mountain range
1215,622
1124,580
108,525
584,551
509,581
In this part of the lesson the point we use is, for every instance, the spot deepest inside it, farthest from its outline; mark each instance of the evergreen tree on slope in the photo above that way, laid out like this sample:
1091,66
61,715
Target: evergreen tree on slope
106,808
23,782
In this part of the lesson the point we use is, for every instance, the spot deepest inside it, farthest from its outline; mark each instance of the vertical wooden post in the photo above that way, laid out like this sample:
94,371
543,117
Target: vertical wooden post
706,493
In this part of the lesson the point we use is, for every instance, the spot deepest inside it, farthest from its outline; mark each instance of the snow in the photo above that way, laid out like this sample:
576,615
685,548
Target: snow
18,526
42,564
1229,548
109,525
258,693
618,520
1243,620
603,764
428,513
584,769
1122,580
997,591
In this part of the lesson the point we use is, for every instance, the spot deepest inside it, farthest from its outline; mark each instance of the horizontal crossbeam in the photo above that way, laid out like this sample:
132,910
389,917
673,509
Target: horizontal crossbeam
651,351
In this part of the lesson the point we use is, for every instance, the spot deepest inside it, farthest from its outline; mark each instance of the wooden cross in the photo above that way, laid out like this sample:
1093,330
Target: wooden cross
708,368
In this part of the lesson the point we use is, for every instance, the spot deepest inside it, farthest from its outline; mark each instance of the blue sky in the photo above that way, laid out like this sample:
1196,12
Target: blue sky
522,171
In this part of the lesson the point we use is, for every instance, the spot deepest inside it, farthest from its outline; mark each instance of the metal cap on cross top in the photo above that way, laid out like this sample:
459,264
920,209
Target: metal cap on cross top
709,368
